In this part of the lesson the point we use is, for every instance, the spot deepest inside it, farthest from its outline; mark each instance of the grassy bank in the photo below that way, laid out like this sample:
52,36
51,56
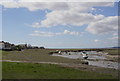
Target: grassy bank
46,71
41,55
112,51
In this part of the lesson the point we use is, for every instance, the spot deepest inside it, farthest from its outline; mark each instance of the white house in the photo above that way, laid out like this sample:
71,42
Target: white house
5,45
2,45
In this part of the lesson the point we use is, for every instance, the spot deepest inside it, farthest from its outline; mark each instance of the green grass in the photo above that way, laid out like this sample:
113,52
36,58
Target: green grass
42,55
36,55
0,64
46,71
112,51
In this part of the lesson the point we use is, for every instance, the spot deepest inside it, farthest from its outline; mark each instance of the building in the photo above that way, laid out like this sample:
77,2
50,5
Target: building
6,45
10,47
2,45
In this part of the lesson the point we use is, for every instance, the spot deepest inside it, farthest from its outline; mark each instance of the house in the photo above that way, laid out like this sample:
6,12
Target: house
6,45
2,44
34,47
9,47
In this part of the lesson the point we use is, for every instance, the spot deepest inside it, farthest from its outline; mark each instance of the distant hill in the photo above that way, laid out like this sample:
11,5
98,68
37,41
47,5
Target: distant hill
115,47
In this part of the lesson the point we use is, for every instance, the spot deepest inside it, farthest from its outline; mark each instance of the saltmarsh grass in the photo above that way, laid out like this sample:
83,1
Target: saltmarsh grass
46,71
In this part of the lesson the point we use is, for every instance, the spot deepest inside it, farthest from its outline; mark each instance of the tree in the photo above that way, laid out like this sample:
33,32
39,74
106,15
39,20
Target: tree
42,47
18,47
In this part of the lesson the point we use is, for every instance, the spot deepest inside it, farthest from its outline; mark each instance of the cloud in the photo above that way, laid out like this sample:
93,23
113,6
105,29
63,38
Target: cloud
67,18
40,33
58,1
65,13
114,38
32,6
62,13
46,11
49,34
71,33
36,25
71,14
104,26
75,14
96,40
115,34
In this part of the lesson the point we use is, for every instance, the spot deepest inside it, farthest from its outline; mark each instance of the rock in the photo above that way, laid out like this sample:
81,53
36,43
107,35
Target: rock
85,63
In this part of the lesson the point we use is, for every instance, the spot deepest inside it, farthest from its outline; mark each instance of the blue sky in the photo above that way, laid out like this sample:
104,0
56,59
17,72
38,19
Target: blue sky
61,25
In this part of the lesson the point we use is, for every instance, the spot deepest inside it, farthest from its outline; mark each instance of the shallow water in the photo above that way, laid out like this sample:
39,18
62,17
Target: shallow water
92,55
77,55
107,64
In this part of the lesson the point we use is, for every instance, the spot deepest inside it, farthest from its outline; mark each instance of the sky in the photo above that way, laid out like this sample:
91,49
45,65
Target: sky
61,24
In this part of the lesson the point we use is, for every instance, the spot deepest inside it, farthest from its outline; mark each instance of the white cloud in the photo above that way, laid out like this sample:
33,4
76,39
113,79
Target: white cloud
46,11
32,6
71,33
49,34
40,33
65,13
96,40
113,41
104,26
115,34
71,14
36,25
74,14
67,18
57,1
114,38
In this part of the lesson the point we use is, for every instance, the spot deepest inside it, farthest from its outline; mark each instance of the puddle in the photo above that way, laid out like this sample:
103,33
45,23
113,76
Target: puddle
92,57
